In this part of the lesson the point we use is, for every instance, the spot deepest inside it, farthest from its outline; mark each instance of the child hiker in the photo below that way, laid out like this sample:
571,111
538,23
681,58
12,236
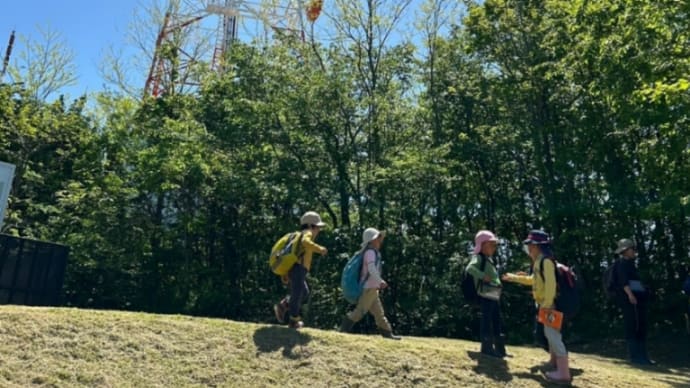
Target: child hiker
369,301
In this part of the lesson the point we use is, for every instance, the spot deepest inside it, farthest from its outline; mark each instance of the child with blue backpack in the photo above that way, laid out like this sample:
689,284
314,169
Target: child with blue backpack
370,276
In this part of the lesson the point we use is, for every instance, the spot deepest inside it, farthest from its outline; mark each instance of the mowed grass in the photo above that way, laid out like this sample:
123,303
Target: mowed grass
61,347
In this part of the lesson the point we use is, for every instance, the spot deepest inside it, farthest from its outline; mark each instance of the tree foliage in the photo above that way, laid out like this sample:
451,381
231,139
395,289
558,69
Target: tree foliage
564,115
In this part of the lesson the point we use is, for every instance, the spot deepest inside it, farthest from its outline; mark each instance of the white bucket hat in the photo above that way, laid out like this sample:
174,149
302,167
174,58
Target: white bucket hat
312,218
371,234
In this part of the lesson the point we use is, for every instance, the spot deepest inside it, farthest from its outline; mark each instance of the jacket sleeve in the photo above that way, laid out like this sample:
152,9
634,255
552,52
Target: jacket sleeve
309,244
526,280
549,284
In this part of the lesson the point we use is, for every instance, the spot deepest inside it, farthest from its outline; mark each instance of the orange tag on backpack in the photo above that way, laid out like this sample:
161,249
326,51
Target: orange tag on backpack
551,318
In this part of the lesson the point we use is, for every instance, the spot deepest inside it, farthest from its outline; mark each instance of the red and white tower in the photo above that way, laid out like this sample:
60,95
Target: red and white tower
189,35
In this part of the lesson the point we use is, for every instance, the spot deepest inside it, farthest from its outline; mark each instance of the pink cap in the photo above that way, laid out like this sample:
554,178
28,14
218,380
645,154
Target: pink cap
482,237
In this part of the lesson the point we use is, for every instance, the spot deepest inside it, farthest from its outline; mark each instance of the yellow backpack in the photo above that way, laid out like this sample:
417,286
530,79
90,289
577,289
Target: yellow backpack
285,253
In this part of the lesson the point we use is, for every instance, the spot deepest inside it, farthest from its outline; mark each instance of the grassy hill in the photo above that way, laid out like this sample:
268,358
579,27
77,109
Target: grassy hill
59,347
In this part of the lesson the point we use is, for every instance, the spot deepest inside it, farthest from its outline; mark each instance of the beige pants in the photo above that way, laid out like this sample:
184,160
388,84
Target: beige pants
369,302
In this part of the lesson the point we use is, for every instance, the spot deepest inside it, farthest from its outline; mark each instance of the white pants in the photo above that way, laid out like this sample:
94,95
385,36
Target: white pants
556,345
369,302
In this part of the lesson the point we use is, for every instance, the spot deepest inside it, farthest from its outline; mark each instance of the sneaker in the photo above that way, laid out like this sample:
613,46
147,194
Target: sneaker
279,311
296,323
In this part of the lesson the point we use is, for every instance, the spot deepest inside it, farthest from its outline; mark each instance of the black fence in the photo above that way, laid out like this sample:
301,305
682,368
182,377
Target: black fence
31,272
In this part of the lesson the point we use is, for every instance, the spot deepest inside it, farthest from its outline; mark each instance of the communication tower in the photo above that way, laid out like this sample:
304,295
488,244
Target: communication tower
189,35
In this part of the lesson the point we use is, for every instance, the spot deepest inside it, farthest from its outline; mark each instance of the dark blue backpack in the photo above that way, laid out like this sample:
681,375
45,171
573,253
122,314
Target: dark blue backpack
569,288
349,282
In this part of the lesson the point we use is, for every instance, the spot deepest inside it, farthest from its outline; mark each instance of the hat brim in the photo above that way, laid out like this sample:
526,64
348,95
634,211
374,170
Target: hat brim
530,242
320,224
622,249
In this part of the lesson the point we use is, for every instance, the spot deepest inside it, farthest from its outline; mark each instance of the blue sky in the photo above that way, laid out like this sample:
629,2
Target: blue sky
87,27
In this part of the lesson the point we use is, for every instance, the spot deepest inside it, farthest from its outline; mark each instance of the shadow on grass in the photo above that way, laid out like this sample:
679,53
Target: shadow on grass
491,367
269,339
670,353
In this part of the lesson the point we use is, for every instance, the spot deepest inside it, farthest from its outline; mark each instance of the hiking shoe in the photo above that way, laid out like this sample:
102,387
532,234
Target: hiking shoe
296,323
279,311
389,335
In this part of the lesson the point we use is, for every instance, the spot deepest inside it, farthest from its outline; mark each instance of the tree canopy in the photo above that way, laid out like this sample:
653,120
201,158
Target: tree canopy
570,116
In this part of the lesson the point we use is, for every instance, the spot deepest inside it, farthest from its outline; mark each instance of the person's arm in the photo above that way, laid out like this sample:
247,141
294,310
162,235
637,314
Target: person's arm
370,259
624,280
308,243
520,278
550,285
473,268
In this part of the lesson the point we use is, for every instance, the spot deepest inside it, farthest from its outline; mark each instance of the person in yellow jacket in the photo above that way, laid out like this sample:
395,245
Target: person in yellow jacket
297,277
544,287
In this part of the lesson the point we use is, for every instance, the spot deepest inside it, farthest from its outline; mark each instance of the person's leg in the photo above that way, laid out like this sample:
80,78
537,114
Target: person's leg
498,335
382,323
641,334
485,327
298,290
630,324
281,309
363,305
562,372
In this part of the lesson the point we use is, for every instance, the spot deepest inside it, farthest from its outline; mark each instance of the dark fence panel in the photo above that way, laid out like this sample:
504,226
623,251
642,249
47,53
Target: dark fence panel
31,272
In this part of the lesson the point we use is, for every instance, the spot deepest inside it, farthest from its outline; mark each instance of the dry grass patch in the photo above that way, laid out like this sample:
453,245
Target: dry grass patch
59,347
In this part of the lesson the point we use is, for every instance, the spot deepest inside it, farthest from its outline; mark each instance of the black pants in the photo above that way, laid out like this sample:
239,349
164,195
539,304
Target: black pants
635,317
490,327
298,288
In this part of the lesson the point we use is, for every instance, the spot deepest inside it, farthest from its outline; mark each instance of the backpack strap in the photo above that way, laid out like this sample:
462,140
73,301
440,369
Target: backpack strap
541,268
482,266
479,283
299,255
378,261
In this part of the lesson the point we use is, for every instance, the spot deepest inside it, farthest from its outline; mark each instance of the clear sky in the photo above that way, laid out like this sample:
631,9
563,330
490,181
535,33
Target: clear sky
88,27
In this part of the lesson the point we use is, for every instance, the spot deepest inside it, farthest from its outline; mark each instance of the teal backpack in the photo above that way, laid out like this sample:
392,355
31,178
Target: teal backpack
349,282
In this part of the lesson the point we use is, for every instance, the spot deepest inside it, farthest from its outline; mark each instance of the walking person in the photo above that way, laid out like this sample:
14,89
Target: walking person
482,267
311,225
538,247
632,297
370,274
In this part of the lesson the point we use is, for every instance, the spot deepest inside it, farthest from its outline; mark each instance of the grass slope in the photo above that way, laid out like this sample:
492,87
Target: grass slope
59,347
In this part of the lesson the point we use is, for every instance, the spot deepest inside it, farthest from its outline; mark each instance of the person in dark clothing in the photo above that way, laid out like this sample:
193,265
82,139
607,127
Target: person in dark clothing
632,297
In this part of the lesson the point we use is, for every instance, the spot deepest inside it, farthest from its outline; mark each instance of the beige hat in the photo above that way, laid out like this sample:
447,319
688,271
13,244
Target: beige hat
371,234
312,218
624,245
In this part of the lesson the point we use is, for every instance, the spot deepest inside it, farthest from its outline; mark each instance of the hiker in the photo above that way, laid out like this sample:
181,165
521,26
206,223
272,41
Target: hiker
370,274
632,297
311,225
489,292
538,247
